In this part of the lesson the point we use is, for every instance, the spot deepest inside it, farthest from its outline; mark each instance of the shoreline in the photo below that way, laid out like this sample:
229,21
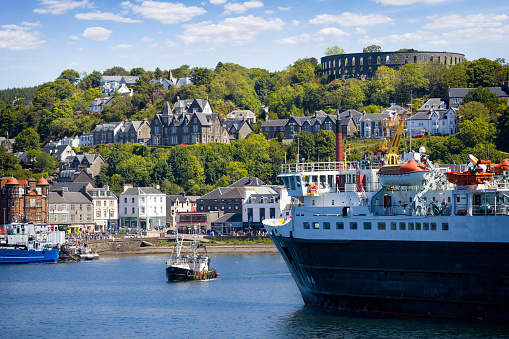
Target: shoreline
211,249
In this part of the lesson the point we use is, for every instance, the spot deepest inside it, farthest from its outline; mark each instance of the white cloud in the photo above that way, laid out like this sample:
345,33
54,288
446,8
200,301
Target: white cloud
269,11
17,38
455,21
147,39
347,19
331,33
294,40
295,22
234,31
413,37
74,37
169,43
284,8
408,2
476,35
97,33
104,16
60,6
241,8
359,30
218,2
122,47
164,12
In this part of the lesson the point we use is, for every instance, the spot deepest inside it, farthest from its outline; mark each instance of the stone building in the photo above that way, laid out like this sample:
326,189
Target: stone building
189,122
365,65
24,200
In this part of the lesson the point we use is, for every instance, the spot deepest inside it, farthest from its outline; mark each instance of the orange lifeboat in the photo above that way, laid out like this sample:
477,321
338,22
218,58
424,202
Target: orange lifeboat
410,173
502,167
467,178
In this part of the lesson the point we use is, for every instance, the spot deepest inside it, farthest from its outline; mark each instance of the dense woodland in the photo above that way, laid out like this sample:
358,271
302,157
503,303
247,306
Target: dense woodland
300,89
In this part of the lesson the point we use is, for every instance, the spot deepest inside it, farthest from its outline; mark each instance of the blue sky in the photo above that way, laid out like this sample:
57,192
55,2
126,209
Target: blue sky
41,38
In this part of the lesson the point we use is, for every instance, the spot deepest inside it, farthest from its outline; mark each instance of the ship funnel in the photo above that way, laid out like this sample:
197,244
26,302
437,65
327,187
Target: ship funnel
339,139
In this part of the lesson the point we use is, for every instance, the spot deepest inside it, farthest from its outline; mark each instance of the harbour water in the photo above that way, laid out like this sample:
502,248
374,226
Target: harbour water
129,297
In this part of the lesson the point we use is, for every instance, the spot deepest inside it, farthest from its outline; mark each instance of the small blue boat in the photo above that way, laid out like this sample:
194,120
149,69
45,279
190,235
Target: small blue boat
22,245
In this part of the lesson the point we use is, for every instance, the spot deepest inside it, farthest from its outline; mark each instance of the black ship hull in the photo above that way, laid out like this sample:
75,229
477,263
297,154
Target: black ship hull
416,278
181,274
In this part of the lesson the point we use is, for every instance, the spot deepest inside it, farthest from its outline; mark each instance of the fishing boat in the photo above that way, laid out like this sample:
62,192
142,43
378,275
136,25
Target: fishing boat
22,244
365,246
189,265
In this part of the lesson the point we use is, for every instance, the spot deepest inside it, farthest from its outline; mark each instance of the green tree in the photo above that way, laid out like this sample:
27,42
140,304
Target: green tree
325,145
482,95
410,79
334,50
472,110
382,89
502,140
475,131
202,76
372,49
304,144
137,71
71,75
116,70
484,72
46,163
92,80
26,140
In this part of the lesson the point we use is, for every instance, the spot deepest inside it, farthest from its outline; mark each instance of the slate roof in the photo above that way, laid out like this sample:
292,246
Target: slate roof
247,181
276,122
141,191
228,217
71,186
500,92
241,114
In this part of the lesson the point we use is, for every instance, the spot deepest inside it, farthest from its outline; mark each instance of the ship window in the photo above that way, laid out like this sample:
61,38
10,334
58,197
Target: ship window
285,181
313,202
329,180
381,226
367,225
323,178
314,179
410,226
316,225
393,225
353,225
417,226
326,225
445,226
292,182
340,226
402,226
332,202
306,225
425,226
298,181
433,226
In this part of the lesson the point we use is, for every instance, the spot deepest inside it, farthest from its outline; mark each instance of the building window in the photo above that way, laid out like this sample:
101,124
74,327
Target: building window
306,225
132,210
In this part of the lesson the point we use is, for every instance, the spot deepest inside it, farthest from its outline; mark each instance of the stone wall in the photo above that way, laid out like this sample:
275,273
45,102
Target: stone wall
364,65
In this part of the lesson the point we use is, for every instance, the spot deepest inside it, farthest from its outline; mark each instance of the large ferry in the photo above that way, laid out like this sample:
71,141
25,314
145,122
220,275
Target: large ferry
22,244
398,239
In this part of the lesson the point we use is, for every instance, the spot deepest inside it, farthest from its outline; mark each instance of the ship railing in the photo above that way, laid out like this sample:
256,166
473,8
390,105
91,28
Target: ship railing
328,166
487,209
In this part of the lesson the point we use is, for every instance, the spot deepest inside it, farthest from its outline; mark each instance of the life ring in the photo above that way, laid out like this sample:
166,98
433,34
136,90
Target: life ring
188,274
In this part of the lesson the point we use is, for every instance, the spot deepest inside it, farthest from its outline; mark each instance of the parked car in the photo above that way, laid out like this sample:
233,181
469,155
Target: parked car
213,232
418,136
171,232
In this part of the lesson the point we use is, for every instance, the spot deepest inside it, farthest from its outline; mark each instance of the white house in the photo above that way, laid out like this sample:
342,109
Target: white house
105,208
263,202
142,208
71,141
433,117
86,139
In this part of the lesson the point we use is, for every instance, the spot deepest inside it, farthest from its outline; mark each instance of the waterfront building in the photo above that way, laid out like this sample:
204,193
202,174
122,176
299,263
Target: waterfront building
176,204
24,200
142,208
73,210
105,208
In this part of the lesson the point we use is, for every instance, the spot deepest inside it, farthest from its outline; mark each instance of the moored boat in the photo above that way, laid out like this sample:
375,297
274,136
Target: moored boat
22,245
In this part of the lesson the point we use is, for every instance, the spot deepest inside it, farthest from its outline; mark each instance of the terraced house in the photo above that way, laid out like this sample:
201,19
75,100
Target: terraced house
189,122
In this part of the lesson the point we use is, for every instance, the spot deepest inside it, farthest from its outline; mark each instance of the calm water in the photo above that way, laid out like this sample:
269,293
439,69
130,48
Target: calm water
254,297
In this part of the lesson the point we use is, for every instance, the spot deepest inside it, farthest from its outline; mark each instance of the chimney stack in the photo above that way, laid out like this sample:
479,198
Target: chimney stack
339,141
